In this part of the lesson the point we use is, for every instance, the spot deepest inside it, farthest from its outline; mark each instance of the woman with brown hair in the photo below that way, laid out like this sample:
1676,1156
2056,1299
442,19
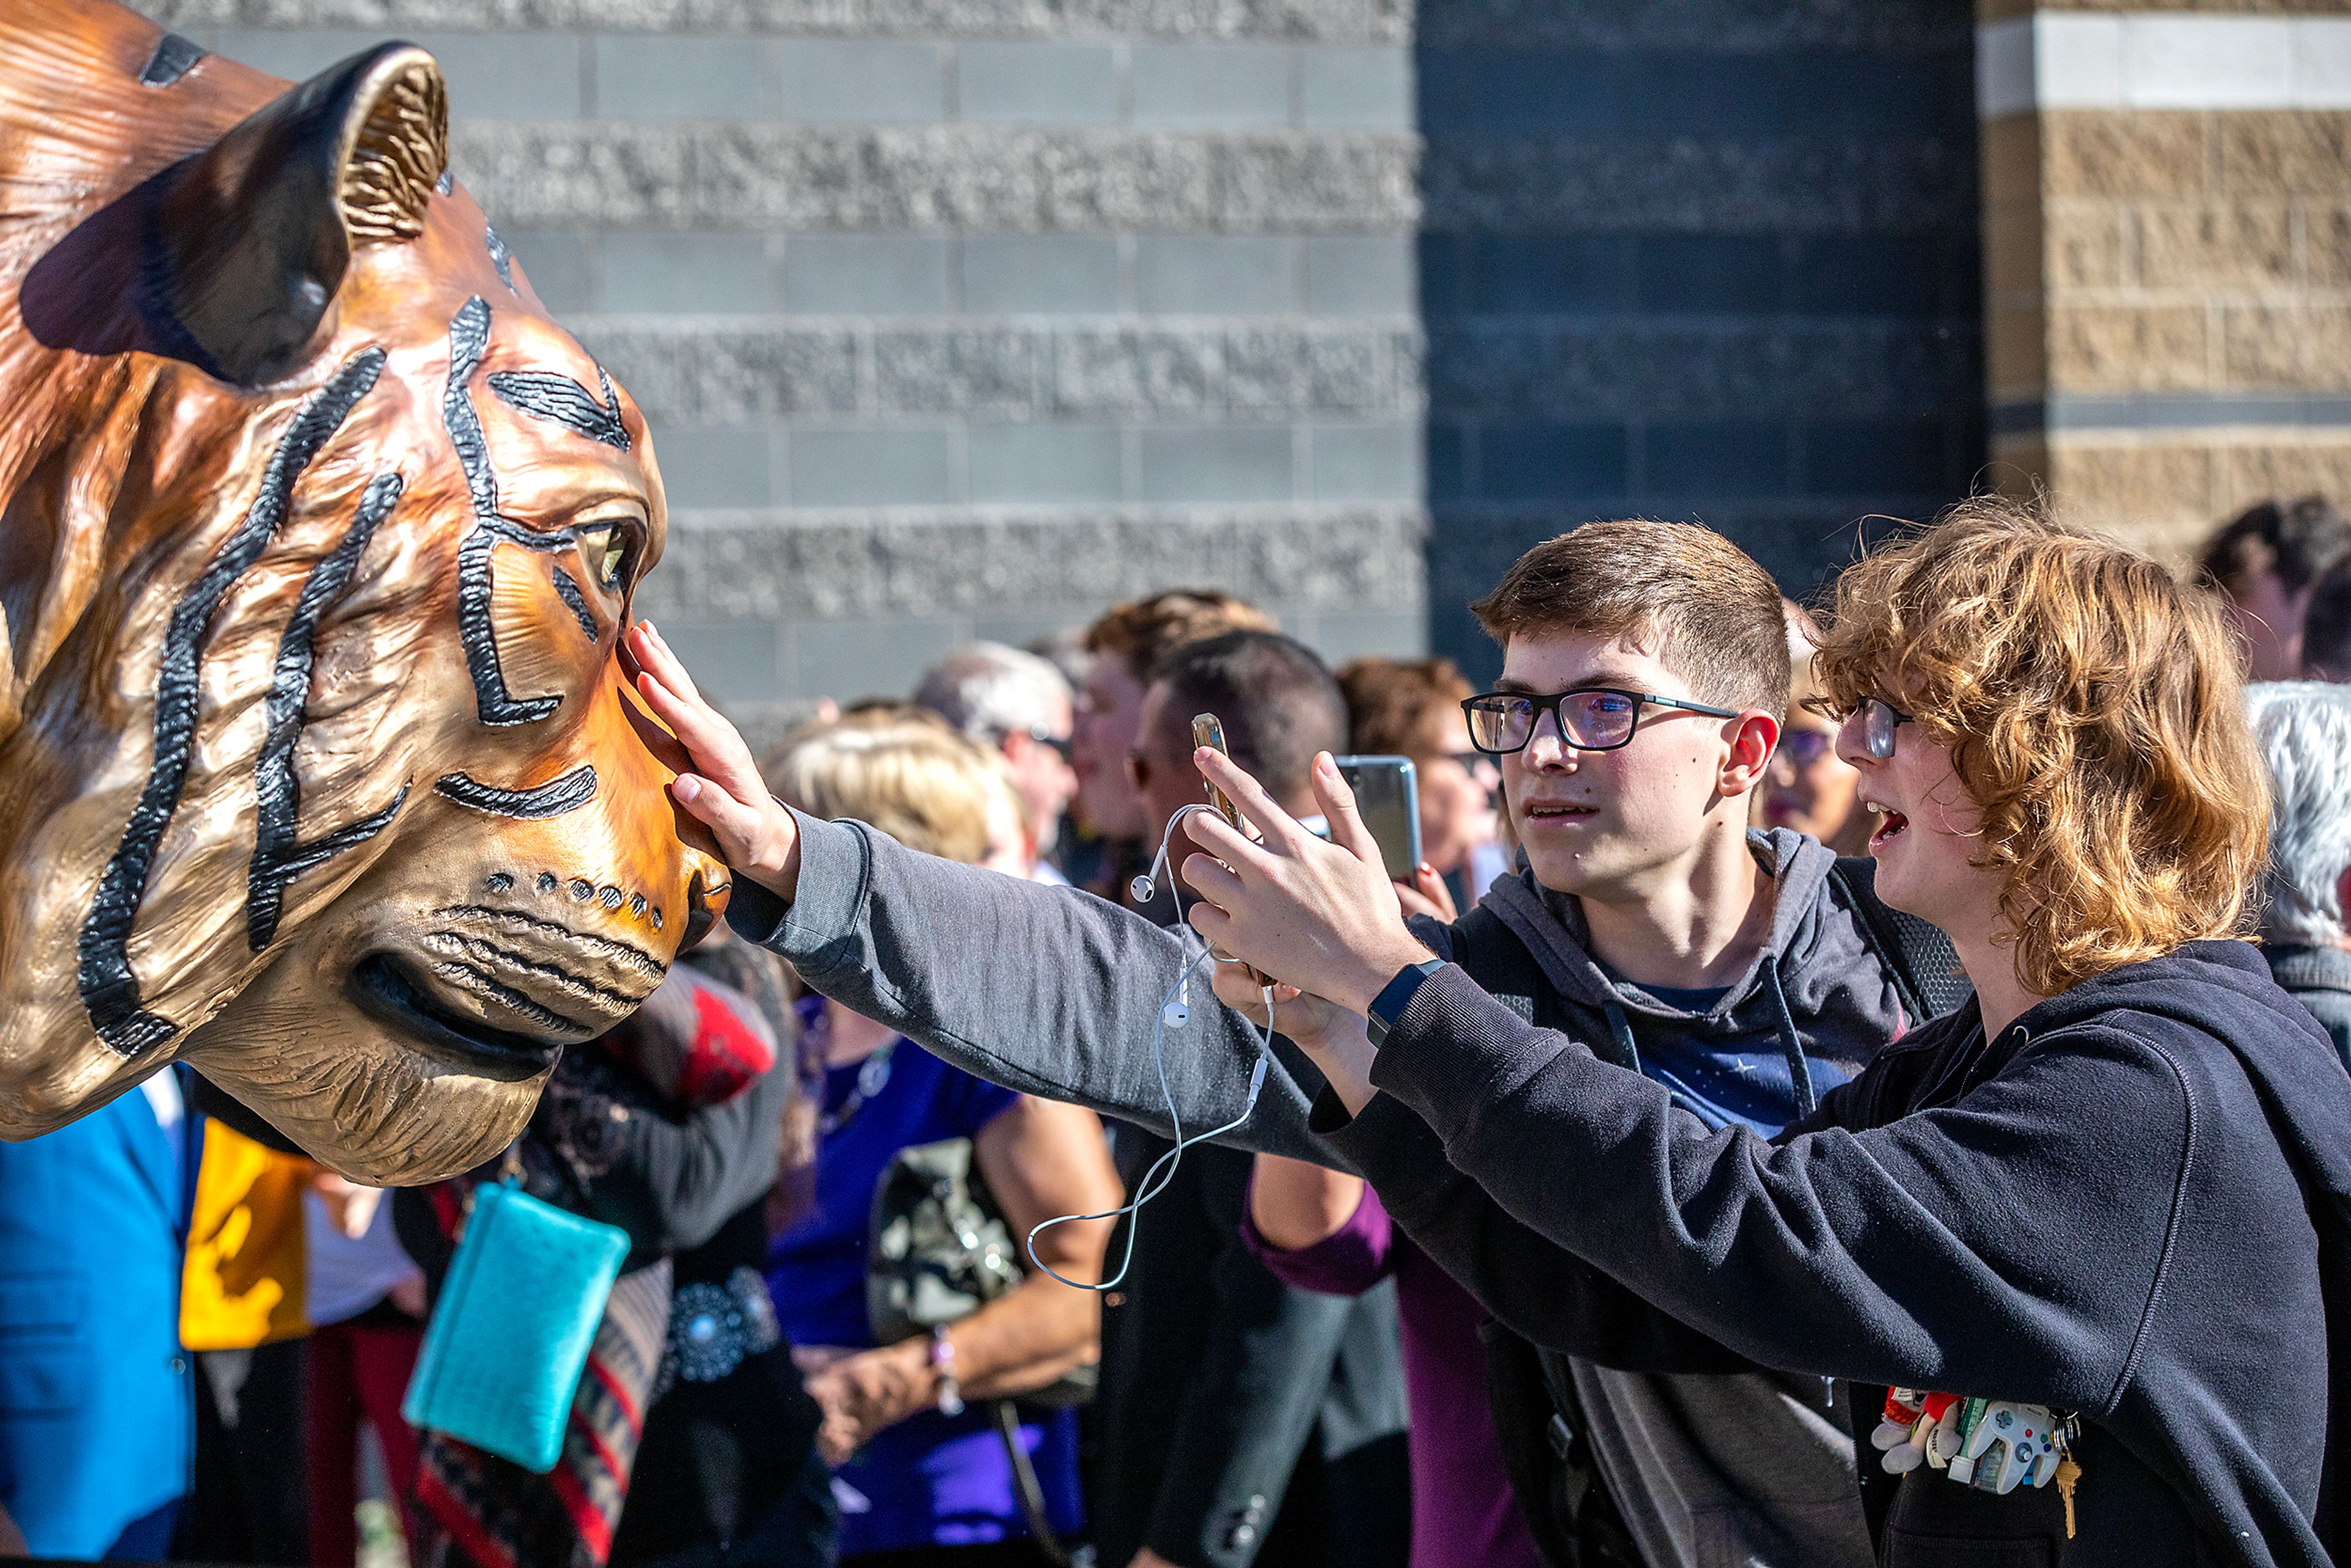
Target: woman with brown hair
2085,1240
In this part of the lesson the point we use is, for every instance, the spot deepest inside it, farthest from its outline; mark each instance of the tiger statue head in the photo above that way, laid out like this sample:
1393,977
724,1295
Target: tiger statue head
320,768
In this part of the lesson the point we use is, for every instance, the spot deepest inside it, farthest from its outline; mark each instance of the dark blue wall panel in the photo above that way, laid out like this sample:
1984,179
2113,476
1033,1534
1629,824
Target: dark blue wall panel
1716,260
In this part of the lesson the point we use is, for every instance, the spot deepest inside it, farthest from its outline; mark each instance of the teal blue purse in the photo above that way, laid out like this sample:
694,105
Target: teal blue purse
510,1334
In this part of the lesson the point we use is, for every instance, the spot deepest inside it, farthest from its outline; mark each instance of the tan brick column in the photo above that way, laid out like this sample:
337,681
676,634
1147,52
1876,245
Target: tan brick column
2166,255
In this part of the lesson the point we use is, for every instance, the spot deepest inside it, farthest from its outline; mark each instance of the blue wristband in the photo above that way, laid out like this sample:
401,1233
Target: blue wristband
1396,996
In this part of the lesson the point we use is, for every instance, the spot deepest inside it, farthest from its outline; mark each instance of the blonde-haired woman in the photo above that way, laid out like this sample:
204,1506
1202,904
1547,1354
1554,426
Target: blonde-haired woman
917,1483
903,771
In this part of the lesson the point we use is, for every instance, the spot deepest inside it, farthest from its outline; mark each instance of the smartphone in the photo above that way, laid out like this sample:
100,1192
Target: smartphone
1387,797
1208,732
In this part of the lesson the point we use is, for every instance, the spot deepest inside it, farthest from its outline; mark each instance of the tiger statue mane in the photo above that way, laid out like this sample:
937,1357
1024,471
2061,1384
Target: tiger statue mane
320,768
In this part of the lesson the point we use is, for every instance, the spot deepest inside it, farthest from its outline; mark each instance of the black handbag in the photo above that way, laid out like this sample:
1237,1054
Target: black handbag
939,1250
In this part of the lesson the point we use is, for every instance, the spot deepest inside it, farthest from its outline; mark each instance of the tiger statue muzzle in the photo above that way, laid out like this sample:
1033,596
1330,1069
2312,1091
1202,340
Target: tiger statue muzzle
320,768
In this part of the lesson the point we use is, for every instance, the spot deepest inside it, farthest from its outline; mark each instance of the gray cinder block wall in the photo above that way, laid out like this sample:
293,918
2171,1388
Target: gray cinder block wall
964,318
960,318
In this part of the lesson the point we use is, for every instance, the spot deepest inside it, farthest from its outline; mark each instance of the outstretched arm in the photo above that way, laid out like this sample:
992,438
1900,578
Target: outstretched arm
1870,1248
1042,989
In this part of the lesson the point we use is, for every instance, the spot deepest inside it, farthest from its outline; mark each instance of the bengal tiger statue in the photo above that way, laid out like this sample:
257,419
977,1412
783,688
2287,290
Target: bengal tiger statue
320,768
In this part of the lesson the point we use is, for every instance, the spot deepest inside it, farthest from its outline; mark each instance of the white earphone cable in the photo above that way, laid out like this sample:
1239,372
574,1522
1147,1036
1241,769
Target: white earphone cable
1172,1009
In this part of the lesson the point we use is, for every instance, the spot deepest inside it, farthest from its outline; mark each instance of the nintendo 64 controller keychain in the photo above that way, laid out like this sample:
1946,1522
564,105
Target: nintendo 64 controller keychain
1992,1445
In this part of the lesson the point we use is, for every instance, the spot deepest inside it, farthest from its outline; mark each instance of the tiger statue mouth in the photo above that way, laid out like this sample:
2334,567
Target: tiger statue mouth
504,991
320,766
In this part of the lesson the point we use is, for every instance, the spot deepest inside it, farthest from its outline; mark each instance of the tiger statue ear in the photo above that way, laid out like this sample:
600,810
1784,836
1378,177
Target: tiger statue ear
255,233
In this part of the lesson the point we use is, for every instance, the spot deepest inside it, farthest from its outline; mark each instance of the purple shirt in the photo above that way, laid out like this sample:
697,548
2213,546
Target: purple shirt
931,1480
1462,1508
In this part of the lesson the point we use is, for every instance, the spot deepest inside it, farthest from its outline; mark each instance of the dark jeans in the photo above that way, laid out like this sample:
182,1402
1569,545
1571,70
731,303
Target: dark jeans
249,1505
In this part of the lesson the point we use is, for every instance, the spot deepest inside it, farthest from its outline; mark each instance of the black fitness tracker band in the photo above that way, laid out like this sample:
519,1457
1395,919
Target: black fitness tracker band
1396,996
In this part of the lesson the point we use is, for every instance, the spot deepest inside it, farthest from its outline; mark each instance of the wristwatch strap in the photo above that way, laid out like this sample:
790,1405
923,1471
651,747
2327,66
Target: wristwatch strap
1394,997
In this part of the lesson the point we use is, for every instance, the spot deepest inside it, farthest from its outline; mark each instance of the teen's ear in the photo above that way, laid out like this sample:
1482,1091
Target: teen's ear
1753,735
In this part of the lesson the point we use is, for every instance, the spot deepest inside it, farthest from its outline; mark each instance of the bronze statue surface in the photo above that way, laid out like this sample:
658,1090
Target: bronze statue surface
319,769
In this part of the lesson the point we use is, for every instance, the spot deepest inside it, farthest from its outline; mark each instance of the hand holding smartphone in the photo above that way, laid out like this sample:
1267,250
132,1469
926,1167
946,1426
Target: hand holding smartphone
1208,731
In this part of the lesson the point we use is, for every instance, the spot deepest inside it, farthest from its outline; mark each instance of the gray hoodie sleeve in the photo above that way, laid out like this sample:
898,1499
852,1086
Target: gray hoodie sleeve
1043,989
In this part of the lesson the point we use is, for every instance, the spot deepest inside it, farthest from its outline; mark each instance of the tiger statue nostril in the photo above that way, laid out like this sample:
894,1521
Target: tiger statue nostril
318,538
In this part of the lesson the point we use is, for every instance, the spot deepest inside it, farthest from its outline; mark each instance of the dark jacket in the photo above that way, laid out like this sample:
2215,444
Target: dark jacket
2320,979
1219,1383
2072,1214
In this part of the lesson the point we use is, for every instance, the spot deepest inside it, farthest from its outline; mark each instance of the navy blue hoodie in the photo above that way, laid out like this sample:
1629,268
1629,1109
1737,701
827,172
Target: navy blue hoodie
2134,1203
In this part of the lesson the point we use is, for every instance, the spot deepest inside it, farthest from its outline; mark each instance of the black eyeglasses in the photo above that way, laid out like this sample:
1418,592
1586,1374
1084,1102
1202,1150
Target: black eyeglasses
1879,720
1043,737
1602,719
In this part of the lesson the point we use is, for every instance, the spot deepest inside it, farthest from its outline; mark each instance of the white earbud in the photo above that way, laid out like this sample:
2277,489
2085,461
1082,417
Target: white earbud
1178,1011
1144,888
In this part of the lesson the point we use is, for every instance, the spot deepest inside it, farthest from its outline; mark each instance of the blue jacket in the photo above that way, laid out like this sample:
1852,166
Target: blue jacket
96,1409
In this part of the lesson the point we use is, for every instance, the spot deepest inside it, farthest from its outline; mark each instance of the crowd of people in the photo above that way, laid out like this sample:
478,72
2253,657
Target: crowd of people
1811,1104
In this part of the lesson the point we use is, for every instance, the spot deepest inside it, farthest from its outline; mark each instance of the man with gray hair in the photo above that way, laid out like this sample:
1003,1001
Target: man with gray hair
1019,705
2304,731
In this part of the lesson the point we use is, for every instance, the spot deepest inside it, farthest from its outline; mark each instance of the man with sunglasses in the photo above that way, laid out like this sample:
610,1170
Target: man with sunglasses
1646,674
1019,705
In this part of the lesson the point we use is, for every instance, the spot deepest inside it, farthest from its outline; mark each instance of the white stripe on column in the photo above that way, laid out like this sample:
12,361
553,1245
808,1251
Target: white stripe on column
2162,59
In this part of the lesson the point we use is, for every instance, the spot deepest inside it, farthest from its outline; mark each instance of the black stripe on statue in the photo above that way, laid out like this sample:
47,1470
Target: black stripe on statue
564,402
568,591
552,799
172,59
279,853
500,256
110,989
469,337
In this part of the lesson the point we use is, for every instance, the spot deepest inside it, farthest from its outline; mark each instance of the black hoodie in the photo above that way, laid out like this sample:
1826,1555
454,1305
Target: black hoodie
2135,1203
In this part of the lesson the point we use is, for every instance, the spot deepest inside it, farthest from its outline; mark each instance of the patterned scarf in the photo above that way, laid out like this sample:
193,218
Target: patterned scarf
695,1044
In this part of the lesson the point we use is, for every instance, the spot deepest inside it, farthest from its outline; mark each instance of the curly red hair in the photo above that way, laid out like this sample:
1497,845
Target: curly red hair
2094,711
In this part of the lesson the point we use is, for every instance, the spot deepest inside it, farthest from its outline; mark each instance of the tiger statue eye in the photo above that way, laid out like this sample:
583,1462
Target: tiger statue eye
318,537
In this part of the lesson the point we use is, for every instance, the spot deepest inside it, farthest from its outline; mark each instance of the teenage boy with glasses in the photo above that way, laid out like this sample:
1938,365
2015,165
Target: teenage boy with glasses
1748,974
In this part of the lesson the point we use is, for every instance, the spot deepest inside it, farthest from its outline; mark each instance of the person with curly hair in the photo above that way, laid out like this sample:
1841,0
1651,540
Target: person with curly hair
2094,1227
